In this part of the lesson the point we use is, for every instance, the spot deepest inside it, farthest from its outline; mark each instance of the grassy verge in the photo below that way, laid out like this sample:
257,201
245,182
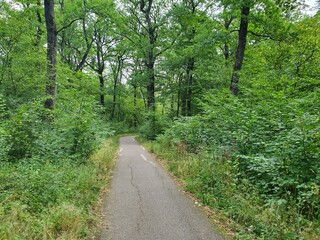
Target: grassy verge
44,200
214,182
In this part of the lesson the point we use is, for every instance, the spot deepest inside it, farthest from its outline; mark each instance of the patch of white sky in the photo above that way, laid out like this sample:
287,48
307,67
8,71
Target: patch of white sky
311,6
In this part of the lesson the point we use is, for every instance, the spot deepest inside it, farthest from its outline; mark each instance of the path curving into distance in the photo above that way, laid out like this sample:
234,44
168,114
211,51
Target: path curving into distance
145,204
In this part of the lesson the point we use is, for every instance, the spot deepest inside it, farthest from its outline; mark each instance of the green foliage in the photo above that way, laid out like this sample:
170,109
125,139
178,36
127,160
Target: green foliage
268,147
74,133
22,132
4,147
45,200
154,125
213,178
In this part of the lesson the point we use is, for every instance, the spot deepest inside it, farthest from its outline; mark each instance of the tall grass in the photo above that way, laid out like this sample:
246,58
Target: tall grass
214,182
45,200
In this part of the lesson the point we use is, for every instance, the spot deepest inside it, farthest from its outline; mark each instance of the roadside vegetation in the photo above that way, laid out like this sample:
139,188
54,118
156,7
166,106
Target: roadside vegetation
45,199
52,172
254,160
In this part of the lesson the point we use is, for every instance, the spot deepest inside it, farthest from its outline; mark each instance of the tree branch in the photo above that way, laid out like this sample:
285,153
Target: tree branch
65,27
261,35
235,30
167,48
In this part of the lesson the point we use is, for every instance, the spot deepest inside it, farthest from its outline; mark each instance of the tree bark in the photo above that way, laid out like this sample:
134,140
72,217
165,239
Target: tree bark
39,29
135,117
100,66
116,78
186,98
226,48
189,72
179,95
151,102
51,84
243,32
150,58
101,80
186,108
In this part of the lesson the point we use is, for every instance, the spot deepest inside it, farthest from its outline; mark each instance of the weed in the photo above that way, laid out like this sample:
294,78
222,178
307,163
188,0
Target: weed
53,200
214,182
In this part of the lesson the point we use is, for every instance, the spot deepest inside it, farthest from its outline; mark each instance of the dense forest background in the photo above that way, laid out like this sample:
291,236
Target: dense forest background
232,86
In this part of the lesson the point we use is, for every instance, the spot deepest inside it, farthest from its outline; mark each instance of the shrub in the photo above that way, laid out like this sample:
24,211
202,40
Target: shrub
269,145
52,200
154,125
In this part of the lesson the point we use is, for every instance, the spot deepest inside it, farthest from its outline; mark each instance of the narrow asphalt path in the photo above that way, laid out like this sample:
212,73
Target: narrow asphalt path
145,204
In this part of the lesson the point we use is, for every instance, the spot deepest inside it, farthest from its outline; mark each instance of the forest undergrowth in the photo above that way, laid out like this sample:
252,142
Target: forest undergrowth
53,200
256,161
53,167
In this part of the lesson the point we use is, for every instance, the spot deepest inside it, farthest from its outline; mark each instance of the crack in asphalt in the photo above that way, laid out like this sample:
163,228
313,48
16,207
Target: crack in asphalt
141,215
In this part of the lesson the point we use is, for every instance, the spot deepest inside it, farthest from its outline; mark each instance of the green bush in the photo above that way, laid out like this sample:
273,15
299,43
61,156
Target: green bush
52,200
74,131
4,147
154,125
23,129
214,179
269,147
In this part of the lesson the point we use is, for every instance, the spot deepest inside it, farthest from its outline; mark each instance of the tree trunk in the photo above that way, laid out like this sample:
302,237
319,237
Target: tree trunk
226,48
114,100
190,68
39,29
101,80
100,66
135,118
186,98
146,7
151,88
226,53
116,78
243,32
51,84
179,95
172,113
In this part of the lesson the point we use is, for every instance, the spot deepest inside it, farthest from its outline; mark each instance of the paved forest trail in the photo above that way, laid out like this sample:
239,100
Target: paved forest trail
145,204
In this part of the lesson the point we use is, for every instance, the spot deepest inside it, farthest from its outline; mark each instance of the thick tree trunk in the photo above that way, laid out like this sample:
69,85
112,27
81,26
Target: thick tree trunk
150,70
100,66
243,32
135,118
151,88
183,102
114,100
51,85
226,53
190,69
179,95
172,113
186,98
101,80
146,7
116,78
